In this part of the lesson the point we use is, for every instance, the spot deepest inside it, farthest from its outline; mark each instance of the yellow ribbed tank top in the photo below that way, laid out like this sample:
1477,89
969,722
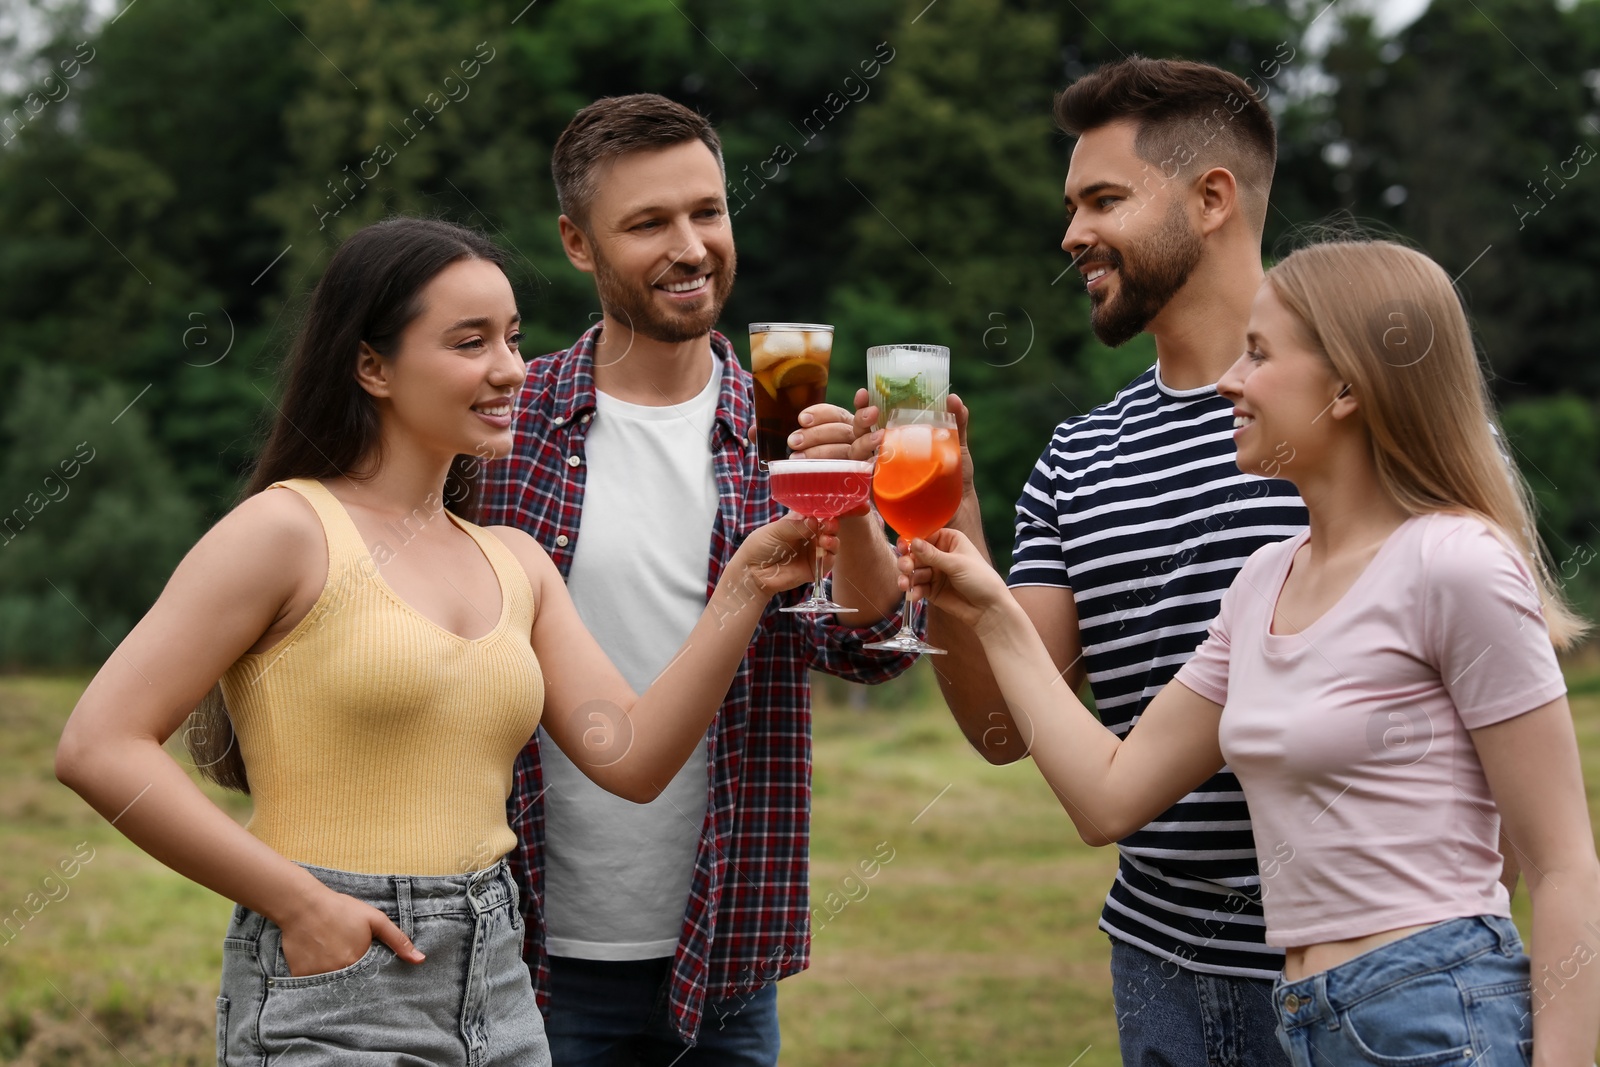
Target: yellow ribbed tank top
377,741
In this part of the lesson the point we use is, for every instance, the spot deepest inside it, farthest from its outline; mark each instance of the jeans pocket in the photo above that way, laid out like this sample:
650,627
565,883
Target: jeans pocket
368,962
305,1020
1414,1023
222,1032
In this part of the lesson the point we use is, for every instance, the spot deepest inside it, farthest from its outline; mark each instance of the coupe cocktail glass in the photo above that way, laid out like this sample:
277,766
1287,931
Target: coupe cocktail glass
820,489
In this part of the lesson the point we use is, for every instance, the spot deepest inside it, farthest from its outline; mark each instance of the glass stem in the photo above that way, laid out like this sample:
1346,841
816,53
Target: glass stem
905,616
904,548
816,585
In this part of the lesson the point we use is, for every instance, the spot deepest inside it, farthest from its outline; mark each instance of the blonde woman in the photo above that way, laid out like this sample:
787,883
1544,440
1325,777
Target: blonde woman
383,662
1384,685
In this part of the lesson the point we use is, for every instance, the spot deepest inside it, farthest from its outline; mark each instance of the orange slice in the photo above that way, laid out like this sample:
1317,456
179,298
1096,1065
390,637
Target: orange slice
896,481
798,372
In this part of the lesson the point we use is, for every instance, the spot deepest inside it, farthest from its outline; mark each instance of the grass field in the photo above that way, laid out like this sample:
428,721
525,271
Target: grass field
973,942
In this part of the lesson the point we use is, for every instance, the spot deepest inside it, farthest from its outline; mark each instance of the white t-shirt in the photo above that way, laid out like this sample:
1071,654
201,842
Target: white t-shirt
617,874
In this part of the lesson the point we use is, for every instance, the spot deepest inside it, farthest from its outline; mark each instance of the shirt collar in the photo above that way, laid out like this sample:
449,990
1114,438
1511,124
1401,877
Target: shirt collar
573,396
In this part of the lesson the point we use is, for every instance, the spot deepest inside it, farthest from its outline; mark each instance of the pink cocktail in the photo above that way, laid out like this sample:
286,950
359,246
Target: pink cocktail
820,489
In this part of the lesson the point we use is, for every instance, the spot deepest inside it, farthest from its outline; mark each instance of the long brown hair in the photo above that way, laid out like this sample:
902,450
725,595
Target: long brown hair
1389,320
326,424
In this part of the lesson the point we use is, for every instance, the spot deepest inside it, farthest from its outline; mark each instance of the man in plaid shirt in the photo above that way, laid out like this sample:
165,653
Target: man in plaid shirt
657,932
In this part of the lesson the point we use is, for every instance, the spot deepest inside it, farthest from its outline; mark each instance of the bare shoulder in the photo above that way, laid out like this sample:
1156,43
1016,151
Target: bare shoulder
270,541
536,562
274,522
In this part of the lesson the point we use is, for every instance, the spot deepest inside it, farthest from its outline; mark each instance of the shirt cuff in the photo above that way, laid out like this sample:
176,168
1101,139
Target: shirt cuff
881,630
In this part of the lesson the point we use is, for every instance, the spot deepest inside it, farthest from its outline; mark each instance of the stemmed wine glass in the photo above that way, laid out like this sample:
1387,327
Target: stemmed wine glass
916,487
820,489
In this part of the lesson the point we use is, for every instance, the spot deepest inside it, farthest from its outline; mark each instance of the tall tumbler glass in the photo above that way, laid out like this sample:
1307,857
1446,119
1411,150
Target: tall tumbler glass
790,364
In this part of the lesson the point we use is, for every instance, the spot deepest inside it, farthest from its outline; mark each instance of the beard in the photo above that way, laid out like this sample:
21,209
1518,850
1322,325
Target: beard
634,304
1147,278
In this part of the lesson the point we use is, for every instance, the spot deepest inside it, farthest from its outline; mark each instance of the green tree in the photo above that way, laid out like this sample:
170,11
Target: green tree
1468,133
1556,443
124,210
94,520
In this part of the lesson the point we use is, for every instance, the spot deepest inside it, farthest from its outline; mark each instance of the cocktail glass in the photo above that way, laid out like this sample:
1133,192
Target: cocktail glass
916,486
821,489
907,376
790,364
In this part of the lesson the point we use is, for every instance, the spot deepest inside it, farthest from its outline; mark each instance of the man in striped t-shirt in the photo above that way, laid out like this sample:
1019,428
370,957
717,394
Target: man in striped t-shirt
1136,519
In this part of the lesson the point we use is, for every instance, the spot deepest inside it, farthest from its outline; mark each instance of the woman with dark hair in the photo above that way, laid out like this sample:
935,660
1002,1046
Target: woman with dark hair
381,662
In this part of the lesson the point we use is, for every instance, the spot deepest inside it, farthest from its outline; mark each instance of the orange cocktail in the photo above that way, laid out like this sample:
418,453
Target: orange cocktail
917,488
917,485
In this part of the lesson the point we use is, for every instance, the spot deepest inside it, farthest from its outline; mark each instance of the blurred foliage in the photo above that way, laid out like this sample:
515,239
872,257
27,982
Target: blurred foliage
98,523
165,210
1556,441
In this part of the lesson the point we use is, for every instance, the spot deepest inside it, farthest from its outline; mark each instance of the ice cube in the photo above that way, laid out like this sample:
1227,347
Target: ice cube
932,369
774,348
914,444
819,343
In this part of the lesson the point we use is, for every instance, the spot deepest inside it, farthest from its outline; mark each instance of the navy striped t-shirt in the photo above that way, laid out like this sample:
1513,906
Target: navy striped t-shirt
1139,509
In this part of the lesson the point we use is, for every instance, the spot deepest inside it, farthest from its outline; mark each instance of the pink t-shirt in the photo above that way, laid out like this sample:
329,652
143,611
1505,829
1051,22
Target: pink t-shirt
1350,737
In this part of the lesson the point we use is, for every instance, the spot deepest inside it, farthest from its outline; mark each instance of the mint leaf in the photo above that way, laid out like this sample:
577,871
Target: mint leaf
912,392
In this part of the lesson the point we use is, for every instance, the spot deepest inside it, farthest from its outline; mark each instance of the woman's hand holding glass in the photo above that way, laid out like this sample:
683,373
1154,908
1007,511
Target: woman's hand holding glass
949,572
780,555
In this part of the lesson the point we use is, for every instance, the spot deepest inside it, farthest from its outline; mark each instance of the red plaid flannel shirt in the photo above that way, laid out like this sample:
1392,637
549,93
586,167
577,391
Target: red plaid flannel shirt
748,917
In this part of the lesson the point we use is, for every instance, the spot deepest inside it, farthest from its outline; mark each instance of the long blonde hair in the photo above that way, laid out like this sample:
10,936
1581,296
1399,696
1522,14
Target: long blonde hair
1389,321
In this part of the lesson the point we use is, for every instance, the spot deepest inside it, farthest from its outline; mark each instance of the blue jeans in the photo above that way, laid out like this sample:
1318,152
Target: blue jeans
1454,993
470,1002
1171,1017
614,1013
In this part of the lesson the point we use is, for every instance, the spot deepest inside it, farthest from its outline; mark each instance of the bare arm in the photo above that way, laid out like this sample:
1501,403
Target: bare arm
228,591
1531,763
864,573
965,679
968,680
632,745
1510,869
1109,786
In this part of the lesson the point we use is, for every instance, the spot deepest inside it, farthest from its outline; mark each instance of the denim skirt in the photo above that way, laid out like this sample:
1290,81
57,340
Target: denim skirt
470,1002
1455,993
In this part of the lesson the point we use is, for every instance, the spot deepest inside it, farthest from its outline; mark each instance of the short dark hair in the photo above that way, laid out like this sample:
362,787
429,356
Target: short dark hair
615,126
1171,102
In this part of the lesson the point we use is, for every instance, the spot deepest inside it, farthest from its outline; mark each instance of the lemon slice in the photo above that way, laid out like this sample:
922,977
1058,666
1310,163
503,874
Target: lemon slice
798,372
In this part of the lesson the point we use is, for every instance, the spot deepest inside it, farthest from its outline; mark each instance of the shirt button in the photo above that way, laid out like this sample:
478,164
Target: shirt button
561,540
573,461
560,420
586,418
